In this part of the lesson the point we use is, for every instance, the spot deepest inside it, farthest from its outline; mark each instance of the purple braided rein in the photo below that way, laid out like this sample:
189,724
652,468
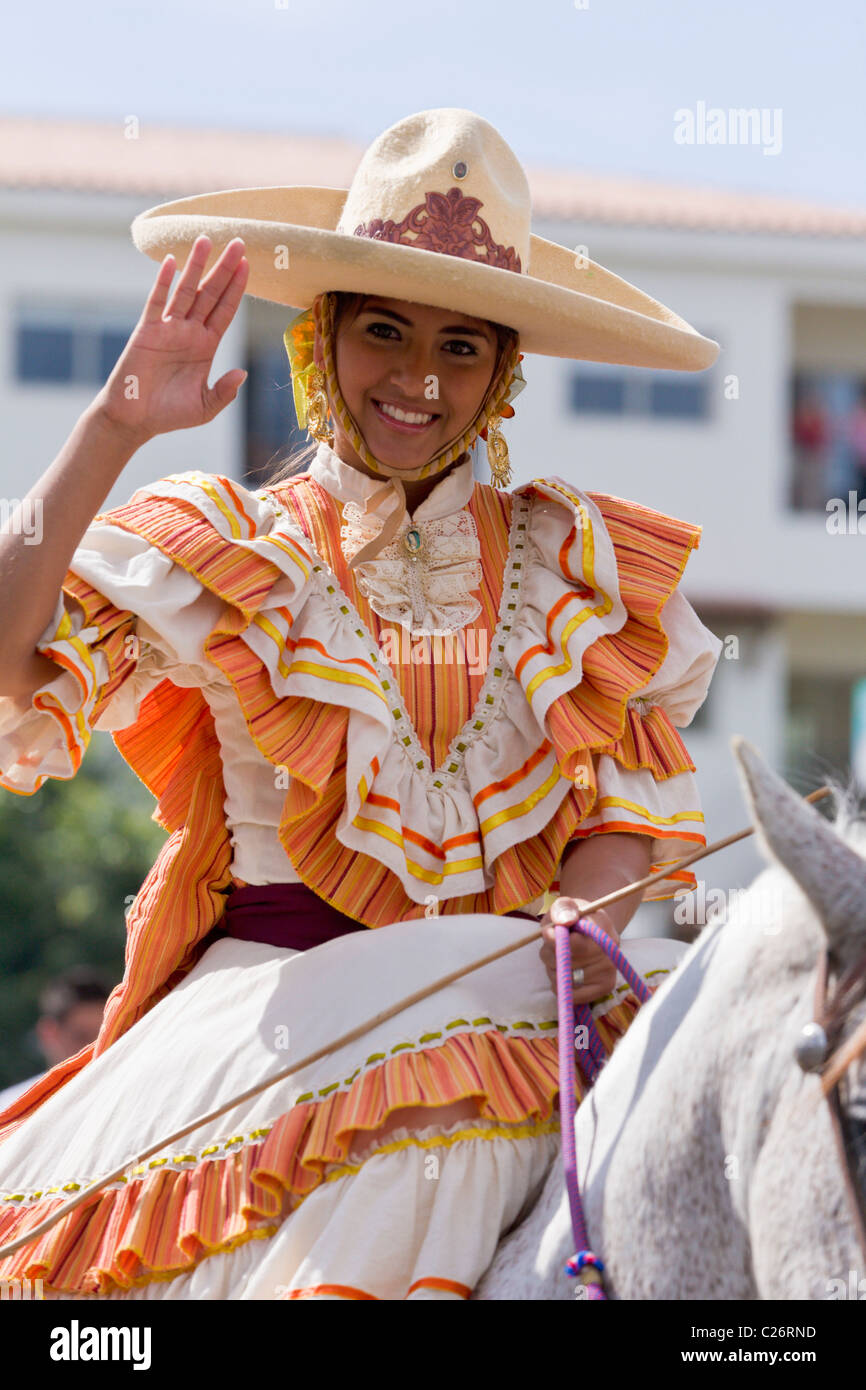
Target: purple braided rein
584,1265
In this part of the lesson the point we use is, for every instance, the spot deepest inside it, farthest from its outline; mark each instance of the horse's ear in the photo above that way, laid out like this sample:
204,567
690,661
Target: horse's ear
791,831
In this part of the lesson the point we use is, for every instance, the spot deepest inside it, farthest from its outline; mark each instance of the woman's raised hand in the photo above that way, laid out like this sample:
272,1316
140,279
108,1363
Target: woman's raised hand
160,381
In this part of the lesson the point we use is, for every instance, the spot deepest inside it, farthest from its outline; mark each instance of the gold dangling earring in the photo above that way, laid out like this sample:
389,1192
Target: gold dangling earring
318,410
497,453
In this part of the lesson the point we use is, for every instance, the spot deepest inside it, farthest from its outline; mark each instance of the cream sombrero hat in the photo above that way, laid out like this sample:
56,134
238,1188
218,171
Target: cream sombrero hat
438,213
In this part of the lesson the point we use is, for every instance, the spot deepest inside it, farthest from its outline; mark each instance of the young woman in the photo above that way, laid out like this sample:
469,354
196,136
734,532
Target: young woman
384,709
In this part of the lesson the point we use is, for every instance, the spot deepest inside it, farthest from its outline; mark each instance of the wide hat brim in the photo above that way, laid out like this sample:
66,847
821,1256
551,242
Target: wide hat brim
559,308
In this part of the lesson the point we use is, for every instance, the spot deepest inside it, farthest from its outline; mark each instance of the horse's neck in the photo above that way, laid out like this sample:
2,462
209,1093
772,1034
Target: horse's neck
701,1053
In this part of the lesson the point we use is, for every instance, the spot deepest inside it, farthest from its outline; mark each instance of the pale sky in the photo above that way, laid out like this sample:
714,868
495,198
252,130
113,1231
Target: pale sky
595,87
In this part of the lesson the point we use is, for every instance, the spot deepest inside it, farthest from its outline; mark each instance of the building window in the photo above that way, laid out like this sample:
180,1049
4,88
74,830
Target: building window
598,394
271,424
600,388
44,354
75,346
828,438
819,729
827,404
687,400
111,345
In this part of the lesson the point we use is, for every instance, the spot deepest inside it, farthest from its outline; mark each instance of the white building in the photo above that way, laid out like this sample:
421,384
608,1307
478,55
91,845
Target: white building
781,285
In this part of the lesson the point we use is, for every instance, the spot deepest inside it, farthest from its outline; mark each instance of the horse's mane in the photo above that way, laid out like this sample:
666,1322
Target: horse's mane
849,819
849,823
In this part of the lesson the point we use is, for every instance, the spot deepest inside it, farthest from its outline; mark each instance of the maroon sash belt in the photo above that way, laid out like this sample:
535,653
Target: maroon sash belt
284,914
289,914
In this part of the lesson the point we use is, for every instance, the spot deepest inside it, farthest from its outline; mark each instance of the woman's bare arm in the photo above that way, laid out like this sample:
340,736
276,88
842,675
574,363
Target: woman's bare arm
63,502
602,863
591,868
159,384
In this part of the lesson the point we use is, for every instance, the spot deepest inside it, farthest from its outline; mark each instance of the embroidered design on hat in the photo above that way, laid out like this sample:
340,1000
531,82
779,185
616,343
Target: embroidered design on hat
448,223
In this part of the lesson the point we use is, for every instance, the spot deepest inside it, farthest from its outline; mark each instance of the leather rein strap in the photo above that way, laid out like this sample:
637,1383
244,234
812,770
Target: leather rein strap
846,1131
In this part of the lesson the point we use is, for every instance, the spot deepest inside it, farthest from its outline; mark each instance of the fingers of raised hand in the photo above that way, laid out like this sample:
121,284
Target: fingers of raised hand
214,301
187,286
155,302
222,393
219,280
230,294
193,300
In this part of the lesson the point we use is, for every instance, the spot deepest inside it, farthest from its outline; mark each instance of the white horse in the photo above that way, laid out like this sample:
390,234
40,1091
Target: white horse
706,1156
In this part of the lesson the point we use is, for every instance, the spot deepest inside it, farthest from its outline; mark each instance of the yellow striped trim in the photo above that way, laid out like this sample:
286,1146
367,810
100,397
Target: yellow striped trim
64,634
456,866
75,723
588,560
439,1141
311,668
523,807
567,665
200,480
588,550
277,638
527,1130
255,1134
650,815
290,549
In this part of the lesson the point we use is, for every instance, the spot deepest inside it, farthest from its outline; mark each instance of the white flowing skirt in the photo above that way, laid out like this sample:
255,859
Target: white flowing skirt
388,1168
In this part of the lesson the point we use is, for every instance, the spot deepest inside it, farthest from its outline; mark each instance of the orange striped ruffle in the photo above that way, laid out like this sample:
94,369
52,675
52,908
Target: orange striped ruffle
594,716
74,655
650,742
174,749
440,695
307,737
165,1222
652,550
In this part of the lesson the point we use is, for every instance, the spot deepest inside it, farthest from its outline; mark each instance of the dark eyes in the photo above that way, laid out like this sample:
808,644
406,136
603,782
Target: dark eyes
389,331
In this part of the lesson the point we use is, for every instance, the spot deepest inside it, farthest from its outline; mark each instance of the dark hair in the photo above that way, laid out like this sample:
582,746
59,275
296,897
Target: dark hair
298,459
78,985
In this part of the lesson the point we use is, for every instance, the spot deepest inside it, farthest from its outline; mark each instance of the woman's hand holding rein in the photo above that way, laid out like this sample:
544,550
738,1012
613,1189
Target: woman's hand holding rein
595,866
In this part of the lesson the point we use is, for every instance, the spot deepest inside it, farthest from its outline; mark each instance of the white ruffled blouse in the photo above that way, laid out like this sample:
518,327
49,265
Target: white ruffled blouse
561,595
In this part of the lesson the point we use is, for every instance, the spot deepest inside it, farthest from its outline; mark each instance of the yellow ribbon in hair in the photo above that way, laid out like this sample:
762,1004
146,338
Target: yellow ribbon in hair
300,340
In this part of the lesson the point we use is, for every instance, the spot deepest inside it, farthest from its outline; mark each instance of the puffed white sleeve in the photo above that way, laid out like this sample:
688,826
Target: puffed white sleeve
127,617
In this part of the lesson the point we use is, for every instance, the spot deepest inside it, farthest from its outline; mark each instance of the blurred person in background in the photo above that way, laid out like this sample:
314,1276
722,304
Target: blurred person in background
856,433
70,1016
811,431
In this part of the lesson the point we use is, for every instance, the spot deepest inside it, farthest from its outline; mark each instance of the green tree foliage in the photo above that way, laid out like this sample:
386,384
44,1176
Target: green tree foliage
72,857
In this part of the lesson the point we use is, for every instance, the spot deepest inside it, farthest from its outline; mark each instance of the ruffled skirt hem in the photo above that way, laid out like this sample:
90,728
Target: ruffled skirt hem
461,1092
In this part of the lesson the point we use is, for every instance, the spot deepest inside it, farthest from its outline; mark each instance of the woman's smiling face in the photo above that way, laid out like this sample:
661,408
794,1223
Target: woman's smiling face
412,376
